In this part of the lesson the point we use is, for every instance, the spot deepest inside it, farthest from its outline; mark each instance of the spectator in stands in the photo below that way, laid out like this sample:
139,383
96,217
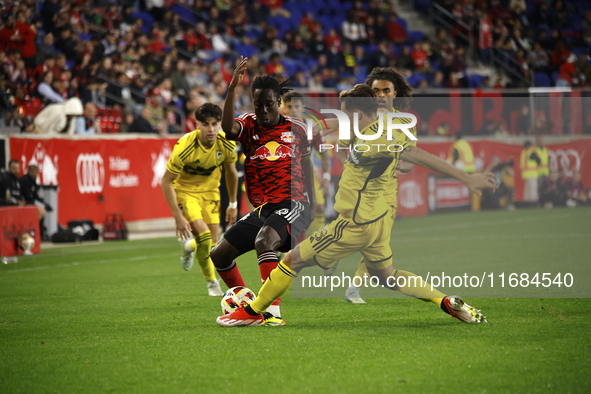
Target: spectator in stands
586,28
19,36
566,72
275,67
538,60
420,58
553,193
396,32
404,60
141,124
46,91
438,80
46,48
87,123
485,38
381,57
353,30
10,189
126,121
59,118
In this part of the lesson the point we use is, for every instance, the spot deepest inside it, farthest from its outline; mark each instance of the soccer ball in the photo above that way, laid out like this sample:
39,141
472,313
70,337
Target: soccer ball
236,297
27,243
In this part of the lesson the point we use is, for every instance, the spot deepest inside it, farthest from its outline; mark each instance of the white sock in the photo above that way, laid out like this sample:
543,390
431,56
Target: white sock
274,310
353,288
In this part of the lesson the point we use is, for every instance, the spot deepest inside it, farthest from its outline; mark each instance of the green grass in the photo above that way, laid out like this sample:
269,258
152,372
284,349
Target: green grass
124,317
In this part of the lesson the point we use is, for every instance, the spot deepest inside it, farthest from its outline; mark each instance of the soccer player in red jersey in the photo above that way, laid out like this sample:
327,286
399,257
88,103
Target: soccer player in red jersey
279,182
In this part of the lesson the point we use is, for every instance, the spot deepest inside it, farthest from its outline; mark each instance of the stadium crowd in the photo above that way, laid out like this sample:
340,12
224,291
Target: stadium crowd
546,40
146,66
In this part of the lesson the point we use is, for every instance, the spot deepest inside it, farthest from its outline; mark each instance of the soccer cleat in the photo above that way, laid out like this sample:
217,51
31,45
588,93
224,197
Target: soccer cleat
214,289
330,270
352,295
187,257
240,318
272,321
460,310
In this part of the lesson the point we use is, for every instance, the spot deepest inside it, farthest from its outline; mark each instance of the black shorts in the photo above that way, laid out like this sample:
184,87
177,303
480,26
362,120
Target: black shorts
289,218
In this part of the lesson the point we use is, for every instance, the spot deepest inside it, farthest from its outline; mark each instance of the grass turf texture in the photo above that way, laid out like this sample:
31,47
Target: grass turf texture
125,317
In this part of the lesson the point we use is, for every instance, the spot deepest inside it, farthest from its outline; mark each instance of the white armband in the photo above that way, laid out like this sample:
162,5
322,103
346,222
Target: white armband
233,205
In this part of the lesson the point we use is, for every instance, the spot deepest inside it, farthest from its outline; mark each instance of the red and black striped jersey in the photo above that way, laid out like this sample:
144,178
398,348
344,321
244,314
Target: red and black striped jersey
273,166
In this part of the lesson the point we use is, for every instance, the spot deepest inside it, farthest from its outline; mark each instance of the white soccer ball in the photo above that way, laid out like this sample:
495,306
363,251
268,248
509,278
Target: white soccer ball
27,243
236,297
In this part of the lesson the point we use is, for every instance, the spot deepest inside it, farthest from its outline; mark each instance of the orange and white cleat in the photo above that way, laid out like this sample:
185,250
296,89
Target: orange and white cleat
240,318
457,308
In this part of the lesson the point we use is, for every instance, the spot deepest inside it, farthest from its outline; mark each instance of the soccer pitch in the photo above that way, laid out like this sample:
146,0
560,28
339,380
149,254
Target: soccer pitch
124,317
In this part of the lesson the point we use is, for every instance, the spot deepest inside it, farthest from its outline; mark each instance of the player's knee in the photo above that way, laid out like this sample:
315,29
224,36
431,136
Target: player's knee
266,240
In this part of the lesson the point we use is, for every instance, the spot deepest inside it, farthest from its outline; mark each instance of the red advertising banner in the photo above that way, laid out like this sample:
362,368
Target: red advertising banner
564,158
412,195
449,193
14,222
98,177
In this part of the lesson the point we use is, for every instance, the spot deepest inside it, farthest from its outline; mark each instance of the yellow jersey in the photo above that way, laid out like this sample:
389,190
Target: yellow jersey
198,167
369,174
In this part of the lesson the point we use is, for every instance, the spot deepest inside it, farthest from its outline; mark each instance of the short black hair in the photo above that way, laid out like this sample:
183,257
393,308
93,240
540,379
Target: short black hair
403,89
12,161
361,98
268,82
208,110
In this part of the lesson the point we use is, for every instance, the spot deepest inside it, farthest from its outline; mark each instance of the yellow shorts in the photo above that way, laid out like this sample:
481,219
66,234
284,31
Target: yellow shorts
194,207
318,191
342,238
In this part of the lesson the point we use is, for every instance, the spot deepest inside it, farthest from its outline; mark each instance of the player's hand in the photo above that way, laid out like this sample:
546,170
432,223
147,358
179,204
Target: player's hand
183,229
231,215
239,72
479,182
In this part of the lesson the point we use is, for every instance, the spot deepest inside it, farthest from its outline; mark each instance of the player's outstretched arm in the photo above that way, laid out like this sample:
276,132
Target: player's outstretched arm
232,186
333,125
183,229
476,182
229,125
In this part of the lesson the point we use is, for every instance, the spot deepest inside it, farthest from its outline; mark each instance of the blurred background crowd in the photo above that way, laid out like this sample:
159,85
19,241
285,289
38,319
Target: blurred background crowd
145,65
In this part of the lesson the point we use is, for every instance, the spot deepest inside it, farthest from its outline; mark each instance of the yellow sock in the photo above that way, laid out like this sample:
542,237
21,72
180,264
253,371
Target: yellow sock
203,246
415,286
274,287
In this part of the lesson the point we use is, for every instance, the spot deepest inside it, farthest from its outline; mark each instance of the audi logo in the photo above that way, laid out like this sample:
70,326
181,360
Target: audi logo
561,160
90,172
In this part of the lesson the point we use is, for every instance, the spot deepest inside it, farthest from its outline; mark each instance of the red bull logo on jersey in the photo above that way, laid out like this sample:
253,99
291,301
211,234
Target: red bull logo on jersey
272,151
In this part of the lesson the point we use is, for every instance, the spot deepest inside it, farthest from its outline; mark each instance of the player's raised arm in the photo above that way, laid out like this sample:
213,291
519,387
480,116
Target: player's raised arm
476,183
229,125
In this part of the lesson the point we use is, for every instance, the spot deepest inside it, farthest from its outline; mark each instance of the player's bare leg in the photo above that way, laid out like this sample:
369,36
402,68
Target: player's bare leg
414,286
223,256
